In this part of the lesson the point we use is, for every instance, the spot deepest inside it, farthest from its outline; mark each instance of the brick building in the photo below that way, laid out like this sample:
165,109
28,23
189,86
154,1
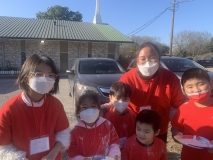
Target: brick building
63,41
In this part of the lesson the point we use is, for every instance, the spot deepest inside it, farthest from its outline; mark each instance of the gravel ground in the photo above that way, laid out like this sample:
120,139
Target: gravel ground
8,89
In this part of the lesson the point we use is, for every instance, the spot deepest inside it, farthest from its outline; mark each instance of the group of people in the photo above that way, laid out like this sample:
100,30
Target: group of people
132,126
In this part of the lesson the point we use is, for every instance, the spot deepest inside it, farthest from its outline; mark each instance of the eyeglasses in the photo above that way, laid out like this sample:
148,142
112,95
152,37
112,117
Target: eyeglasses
40,74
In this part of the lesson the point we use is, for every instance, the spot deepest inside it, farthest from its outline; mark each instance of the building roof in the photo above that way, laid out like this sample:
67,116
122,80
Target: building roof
31,28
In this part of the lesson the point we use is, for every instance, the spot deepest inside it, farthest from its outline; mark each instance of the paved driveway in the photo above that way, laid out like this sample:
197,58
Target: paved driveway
8,89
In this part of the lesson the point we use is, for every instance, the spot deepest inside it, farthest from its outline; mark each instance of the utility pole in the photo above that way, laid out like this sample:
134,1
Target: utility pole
172,28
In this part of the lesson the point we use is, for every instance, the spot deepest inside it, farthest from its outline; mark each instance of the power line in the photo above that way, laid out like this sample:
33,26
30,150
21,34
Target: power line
148,23
176,7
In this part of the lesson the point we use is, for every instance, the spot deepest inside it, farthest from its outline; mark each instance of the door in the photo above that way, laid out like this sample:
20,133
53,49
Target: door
63,62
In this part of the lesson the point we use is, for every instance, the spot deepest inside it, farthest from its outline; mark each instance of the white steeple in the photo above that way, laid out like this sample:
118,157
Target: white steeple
97,17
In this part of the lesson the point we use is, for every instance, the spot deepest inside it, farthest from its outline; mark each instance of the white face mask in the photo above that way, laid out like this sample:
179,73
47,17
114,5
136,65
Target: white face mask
148,68
41,85
120,106
89,115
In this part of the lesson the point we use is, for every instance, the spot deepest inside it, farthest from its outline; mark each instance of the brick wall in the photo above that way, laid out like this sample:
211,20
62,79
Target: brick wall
12,51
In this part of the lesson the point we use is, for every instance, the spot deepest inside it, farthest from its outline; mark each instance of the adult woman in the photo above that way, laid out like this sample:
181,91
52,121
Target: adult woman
153,87
33,124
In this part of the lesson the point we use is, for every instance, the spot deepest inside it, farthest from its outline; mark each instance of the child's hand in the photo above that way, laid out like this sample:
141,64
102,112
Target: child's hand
117,157
104,109
49,156
211,149
178,135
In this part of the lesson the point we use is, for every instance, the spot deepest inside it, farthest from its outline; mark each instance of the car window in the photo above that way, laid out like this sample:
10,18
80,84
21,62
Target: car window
180,65
132,64
99,67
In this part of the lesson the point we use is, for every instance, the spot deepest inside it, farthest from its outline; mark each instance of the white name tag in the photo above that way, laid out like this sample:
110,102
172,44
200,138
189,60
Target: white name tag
39,145
145,107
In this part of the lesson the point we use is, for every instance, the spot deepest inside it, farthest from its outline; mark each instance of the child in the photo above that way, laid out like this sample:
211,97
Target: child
195,117
93,137
122,118
33,124
145,145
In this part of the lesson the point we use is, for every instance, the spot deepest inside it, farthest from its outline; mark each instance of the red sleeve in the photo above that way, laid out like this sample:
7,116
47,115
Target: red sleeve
164,155
113,136
73,150
62,122
125,151
123,79
177,121
177,97
126,78
5,125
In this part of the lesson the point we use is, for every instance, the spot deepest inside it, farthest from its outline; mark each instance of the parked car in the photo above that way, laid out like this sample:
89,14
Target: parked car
190,58
205,62
176,64
96,74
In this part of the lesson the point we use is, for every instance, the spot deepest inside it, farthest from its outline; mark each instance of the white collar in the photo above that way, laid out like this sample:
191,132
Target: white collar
98,123
27,101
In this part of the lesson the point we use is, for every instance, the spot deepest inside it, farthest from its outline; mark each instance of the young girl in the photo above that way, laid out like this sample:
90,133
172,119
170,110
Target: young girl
33,124
93,137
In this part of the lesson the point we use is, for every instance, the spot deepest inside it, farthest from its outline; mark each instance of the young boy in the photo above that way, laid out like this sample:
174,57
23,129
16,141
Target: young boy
145,145
195,117
118,114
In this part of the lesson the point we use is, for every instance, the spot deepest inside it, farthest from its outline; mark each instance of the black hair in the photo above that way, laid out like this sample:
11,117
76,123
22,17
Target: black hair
149,117
86,94
120,90
30,65
148,44
197,73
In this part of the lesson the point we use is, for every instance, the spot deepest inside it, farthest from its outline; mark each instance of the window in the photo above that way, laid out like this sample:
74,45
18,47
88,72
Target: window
111,47
89,49
180,65
99,67
23,45
64,46
23,57
111,50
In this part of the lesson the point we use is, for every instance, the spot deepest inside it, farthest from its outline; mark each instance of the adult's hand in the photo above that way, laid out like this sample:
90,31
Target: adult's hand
211,149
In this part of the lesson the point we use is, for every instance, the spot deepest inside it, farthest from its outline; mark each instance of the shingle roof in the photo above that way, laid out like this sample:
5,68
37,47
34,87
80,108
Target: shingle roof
31,28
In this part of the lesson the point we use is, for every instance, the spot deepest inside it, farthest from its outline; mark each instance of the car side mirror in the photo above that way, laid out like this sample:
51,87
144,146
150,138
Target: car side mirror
70,71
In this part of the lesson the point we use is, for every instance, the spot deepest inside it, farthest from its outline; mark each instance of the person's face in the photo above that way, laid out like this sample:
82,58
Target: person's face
114,99
147,54
88,103
145,133
42,70
196,85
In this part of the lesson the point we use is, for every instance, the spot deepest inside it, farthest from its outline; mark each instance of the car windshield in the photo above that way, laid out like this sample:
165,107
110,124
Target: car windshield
180,65
99,67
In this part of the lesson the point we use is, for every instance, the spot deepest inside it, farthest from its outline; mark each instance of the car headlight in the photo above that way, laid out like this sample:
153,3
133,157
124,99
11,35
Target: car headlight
81,88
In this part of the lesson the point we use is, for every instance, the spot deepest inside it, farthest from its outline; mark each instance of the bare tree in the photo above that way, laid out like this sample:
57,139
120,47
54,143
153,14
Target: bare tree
191,43
128,50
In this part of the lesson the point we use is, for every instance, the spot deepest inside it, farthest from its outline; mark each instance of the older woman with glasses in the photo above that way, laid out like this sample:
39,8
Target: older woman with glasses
33,124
